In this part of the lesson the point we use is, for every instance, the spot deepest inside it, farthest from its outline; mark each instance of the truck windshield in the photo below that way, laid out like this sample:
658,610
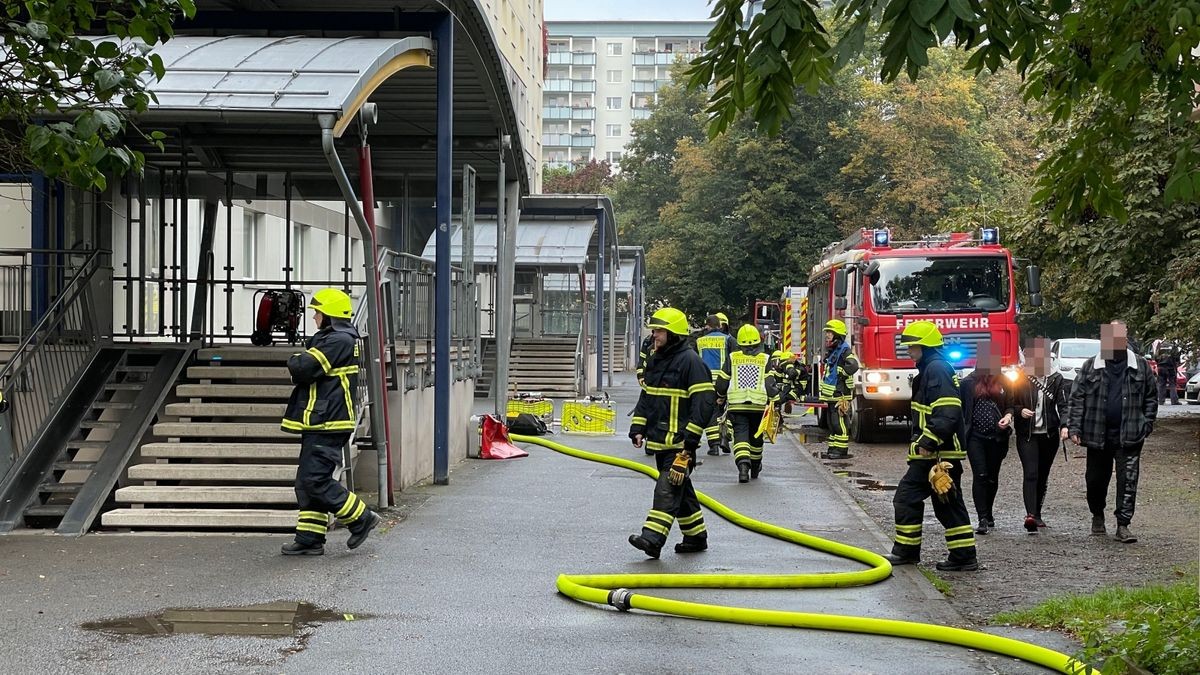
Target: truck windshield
940,284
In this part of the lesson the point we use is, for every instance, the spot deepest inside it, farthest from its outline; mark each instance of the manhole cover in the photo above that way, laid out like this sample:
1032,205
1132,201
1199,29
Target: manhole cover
273,619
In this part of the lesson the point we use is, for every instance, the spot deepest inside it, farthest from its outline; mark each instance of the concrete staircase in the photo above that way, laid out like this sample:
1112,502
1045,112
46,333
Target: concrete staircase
483,384
545,365
218,459
617,353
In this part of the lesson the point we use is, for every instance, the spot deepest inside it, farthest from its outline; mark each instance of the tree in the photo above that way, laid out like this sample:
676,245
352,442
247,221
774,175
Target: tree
68,99
592,178
1108,54
1145,271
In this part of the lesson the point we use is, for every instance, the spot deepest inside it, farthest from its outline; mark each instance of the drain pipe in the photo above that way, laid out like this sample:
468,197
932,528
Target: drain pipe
379,407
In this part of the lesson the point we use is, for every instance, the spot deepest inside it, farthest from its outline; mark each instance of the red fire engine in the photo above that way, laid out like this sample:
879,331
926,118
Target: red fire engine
877,286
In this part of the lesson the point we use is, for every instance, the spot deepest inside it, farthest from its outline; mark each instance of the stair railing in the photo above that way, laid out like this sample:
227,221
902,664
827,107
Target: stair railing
51,357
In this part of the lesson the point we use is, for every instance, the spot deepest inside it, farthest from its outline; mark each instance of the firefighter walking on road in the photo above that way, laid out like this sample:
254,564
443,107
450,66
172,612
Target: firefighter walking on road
934,457
675,404
321,410
747,387
837,388
714,348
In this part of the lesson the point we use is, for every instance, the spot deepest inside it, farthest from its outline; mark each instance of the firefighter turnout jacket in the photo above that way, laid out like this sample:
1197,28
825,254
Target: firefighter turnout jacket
676,401
936,422
326,378
713,347
839,366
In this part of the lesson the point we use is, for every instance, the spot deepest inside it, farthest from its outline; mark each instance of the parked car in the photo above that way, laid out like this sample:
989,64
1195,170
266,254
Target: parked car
1191,392
1068,354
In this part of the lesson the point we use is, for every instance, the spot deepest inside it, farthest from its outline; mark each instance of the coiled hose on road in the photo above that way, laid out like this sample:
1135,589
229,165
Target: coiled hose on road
612,589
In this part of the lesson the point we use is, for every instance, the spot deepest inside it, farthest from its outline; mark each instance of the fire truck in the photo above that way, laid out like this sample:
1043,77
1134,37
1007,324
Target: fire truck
963,283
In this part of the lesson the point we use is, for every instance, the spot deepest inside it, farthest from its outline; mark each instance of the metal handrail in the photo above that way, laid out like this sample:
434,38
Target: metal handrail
580,375
50,357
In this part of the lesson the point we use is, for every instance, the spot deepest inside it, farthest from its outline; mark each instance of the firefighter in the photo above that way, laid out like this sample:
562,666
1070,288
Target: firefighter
837,388
675,404
321,410
747,386
714,346
724,322
934,457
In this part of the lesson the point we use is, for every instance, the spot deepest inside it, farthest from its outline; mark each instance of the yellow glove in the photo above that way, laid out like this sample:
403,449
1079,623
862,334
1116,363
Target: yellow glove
940,480
843,407
679,468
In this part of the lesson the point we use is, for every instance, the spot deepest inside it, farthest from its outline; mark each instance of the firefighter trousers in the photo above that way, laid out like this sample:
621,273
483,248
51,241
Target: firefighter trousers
712,432
746,448
838,425
911,493
318,494
674,502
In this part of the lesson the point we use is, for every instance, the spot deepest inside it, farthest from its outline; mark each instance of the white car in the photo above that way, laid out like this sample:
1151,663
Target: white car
1068,354
1191,393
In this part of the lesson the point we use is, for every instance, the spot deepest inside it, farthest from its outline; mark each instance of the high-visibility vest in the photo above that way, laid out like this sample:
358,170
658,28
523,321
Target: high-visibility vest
712,350
747,378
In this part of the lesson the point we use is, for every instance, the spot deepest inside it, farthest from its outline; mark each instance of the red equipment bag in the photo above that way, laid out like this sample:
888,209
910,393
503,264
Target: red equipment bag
494,443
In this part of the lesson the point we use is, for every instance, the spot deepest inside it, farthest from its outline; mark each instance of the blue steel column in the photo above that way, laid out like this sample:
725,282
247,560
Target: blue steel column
600,262
444,35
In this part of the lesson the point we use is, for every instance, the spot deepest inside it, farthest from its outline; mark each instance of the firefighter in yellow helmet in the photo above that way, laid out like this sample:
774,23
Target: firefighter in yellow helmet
321,410
675,404
714,346
934,457
837,388
747,386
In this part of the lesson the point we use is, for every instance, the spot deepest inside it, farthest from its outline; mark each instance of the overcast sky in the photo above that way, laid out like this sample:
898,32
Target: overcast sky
627,10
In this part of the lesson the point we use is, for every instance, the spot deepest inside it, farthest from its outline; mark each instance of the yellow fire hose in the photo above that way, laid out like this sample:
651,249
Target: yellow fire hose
612,589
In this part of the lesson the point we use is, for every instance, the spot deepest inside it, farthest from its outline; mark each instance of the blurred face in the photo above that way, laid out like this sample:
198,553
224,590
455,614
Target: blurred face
987,359
1038,357
915,351
660,337
1114,338
831,338
319,318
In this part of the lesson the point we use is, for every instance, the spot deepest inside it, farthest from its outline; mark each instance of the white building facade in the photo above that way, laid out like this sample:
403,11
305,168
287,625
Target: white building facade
601,76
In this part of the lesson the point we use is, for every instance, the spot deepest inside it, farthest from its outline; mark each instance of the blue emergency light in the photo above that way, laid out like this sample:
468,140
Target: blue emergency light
990,236
955,354
882,237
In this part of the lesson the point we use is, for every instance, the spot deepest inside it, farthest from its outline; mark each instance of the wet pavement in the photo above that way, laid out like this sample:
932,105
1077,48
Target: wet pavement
465,583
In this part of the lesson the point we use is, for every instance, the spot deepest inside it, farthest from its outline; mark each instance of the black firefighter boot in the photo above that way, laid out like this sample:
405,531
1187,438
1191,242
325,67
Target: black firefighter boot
645,545
755,467
714,449
743,471
359,534
692,545
299,548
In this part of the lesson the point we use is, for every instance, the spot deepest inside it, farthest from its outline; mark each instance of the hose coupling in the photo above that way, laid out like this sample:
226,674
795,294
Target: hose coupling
620,598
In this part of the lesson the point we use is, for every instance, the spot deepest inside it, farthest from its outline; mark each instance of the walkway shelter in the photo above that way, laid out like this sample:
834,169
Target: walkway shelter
274,144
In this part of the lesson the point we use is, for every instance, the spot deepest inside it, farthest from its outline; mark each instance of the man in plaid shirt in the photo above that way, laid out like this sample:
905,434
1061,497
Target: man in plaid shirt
1113,407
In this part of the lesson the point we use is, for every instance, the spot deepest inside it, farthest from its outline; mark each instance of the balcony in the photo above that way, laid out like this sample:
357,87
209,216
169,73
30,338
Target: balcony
583,86
662,58
557,85
583,58
583,141
563,112
559,58
556,140
640,113
645,86
557,164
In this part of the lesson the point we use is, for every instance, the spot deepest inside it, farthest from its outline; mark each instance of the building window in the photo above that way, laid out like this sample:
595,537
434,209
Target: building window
612,130
614,76
613,158
250,227
614,49
613,102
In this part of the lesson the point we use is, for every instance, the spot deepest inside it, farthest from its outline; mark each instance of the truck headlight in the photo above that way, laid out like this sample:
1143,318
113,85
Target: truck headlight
875,378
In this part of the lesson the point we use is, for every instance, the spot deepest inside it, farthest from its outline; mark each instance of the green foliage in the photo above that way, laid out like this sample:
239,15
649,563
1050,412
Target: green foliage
1115,51
1145,270
940,584
592,178
1156,627
72,96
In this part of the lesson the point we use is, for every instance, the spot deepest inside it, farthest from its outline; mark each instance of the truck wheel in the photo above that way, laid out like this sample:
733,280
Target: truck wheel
863,422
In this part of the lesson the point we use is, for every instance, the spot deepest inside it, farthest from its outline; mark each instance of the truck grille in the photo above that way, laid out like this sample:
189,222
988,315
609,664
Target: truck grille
967,342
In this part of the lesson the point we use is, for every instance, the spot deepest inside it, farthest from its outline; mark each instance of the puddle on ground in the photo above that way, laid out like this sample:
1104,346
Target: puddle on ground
851,474
272,619
872,484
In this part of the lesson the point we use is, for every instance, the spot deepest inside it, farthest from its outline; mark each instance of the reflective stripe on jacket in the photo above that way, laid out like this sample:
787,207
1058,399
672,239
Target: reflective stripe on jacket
937,417
676,401
326,378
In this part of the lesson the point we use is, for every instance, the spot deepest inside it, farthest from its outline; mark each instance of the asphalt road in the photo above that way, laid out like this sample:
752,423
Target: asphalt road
465,583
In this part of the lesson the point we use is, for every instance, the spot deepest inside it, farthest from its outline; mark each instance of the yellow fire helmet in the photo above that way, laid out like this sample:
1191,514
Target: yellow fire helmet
332,303
671,320
748,336
721,316
836,326
922,334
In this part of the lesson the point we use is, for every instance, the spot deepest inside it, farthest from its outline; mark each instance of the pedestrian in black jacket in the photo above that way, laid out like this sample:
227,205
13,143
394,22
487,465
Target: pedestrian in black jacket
1113,407
988,424
1038,401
